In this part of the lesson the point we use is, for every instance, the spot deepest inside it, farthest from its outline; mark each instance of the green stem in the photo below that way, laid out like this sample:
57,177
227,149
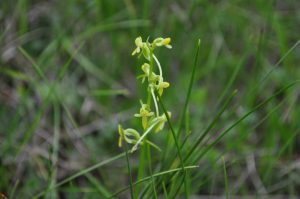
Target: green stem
149,97
158,65
141,168
155,102
176,141
149,80
129,170
150,170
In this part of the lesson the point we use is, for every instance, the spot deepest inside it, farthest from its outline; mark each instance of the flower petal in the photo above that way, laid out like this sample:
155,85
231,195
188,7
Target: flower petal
166,41
138,42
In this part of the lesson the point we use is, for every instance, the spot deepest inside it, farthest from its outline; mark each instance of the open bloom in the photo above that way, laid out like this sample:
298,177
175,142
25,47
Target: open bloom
139,44
146,69
144,114
161,86
141,47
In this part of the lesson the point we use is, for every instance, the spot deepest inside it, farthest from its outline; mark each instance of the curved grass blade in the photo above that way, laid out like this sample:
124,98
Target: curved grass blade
188,95
129,171
28,133
175,139
211,125
231,80
244,117
80,173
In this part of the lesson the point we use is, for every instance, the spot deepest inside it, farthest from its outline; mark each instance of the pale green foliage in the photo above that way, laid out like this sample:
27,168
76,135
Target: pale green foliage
151,121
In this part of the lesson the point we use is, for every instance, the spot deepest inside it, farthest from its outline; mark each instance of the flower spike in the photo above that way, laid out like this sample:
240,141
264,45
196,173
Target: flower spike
151,122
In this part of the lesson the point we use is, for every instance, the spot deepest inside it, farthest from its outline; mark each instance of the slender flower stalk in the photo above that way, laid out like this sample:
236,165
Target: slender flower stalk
158,65
155,102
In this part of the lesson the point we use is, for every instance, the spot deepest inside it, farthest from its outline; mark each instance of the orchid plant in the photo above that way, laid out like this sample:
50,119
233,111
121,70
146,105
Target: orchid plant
150,121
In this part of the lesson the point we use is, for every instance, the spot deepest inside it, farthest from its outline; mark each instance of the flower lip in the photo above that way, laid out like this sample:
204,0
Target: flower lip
166,41
162,42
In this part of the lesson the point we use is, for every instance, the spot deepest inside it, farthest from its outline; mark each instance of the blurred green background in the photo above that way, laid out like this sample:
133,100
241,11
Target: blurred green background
67,78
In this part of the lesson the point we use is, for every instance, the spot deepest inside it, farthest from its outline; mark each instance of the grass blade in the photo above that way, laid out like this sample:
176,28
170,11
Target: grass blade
80,173
245,116
141,168
150,170
129,171
175,139
211,125
188,95
28,133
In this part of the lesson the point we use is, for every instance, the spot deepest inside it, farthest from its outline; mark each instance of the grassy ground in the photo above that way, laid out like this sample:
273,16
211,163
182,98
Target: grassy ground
67,78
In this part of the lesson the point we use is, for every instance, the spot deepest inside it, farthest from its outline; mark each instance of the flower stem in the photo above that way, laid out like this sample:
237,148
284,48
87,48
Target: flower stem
155,102
149,80
158,65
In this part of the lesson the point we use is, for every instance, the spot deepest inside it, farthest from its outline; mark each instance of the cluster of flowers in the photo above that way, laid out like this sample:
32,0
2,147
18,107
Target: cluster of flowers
151,122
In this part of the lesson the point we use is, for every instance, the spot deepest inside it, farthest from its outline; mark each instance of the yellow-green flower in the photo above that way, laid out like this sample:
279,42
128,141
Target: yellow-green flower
131,136
161,86
139,44
159,122
141,47
146,69
144,114
162,42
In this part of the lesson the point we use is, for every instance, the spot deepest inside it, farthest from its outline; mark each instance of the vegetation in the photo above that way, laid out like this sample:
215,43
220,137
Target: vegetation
67,80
